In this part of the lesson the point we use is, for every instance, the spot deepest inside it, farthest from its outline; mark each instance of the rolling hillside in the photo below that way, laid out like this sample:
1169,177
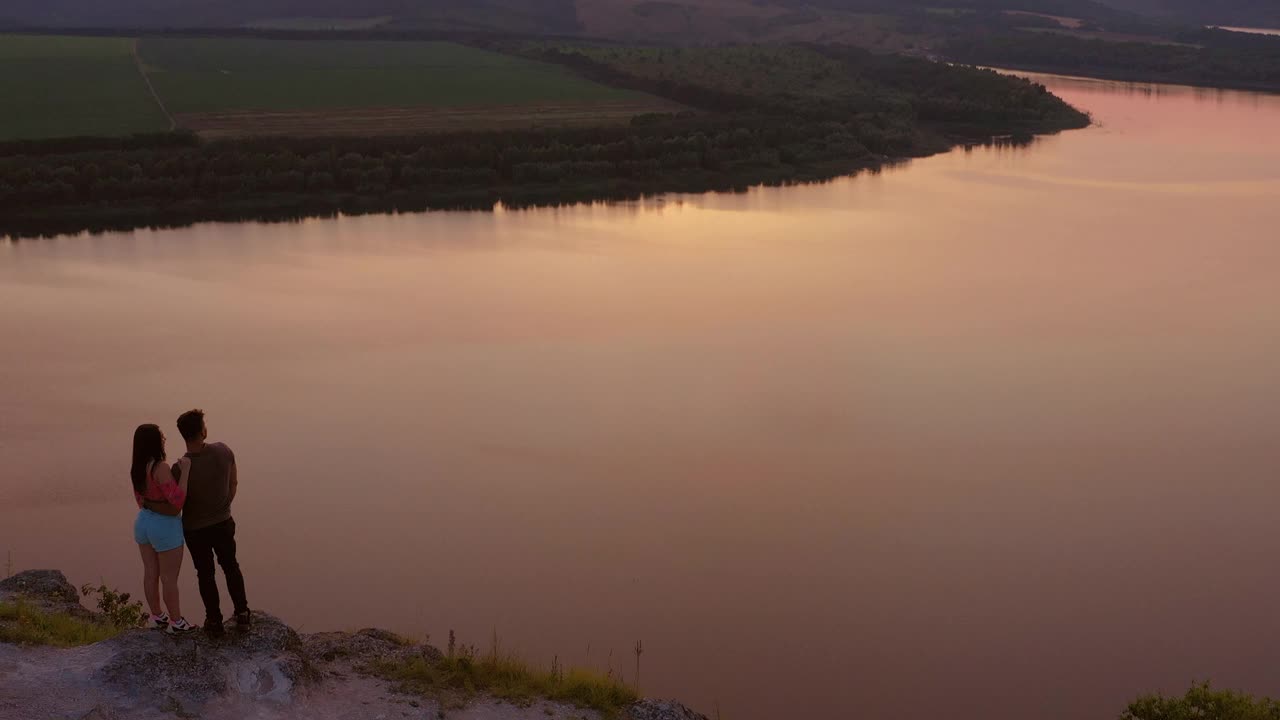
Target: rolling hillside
685,19
884,25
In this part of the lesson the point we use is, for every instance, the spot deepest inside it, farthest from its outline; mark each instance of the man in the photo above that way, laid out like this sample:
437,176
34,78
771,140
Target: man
207,522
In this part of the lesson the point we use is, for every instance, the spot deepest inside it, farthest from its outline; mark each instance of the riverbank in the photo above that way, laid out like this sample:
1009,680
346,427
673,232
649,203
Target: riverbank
273,672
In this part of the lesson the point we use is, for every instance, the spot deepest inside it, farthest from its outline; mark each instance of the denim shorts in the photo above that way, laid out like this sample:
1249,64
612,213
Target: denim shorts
161,532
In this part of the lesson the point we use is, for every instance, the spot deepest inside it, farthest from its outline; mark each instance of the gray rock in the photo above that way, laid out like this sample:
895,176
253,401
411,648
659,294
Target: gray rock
266,663
662,710
365,645
45,586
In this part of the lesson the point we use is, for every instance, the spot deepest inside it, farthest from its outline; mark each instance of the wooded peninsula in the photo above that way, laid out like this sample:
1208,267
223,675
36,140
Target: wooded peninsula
738,116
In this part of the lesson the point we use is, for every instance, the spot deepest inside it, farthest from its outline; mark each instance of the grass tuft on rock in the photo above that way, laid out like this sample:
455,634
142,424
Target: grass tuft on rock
506,677
26,624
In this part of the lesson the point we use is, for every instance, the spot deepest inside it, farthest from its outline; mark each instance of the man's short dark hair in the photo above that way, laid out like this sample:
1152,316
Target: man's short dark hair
191,424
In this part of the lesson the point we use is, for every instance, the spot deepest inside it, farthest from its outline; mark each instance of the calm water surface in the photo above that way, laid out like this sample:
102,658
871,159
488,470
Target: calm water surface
990,435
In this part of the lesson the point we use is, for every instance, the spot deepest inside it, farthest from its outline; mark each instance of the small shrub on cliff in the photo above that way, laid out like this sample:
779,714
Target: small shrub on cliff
1202,702
115,606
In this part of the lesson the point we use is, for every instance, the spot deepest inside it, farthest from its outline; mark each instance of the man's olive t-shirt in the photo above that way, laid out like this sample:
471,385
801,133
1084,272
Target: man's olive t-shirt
209,489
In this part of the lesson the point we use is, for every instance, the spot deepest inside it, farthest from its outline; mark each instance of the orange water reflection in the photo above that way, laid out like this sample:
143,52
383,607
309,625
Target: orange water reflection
989,435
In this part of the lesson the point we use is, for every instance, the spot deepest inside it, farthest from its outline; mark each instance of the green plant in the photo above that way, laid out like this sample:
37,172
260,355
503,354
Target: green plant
115,606
1202,702
463,673
27,624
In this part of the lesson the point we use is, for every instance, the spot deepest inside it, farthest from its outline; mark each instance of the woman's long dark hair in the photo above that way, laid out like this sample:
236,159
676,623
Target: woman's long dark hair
148,447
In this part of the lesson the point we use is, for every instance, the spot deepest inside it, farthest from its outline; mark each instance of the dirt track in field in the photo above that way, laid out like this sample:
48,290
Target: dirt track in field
409,120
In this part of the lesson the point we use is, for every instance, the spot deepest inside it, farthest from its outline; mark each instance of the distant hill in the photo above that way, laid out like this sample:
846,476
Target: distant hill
533,16
1252,13
550,16
1090,9
676,20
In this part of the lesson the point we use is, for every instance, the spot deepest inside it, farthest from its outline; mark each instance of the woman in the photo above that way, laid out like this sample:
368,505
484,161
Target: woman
159,533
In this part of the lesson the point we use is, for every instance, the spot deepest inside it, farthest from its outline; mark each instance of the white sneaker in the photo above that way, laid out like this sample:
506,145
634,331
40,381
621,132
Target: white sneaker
181,627
159,622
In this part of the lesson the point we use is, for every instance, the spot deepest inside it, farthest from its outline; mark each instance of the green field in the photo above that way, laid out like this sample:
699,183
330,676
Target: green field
67,86
219,75
60,86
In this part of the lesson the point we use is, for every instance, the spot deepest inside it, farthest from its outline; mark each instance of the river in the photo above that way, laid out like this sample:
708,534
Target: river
987,435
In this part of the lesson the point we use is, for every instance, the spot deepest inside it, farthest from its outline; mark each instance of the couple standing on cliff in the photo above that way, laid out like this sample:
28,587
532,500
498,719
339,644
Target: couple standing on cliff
189,502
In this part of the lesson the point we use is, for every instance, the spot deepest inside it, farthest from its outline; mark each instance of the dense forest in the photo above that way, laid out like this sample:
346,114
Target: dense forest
1224,59
891,108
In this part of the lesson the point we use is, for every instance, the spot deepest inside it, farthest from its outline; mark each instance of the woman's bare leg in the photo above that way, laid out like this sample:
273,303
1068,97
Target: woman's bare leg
150,577
170,566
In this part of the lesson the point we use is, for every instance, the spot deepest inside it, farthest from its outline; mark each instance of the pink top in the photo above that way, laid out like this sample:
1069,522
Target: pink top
162,490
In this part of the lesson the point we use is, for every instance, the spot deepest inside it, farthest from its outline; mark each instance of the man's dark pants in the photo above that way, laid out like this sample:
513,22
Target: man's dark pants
217,540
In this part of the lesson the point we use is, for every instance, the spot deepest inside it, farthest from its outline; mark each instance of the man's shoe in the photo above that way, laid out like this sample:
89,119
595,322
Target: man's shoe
244,620
213,628
181,627
158,622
